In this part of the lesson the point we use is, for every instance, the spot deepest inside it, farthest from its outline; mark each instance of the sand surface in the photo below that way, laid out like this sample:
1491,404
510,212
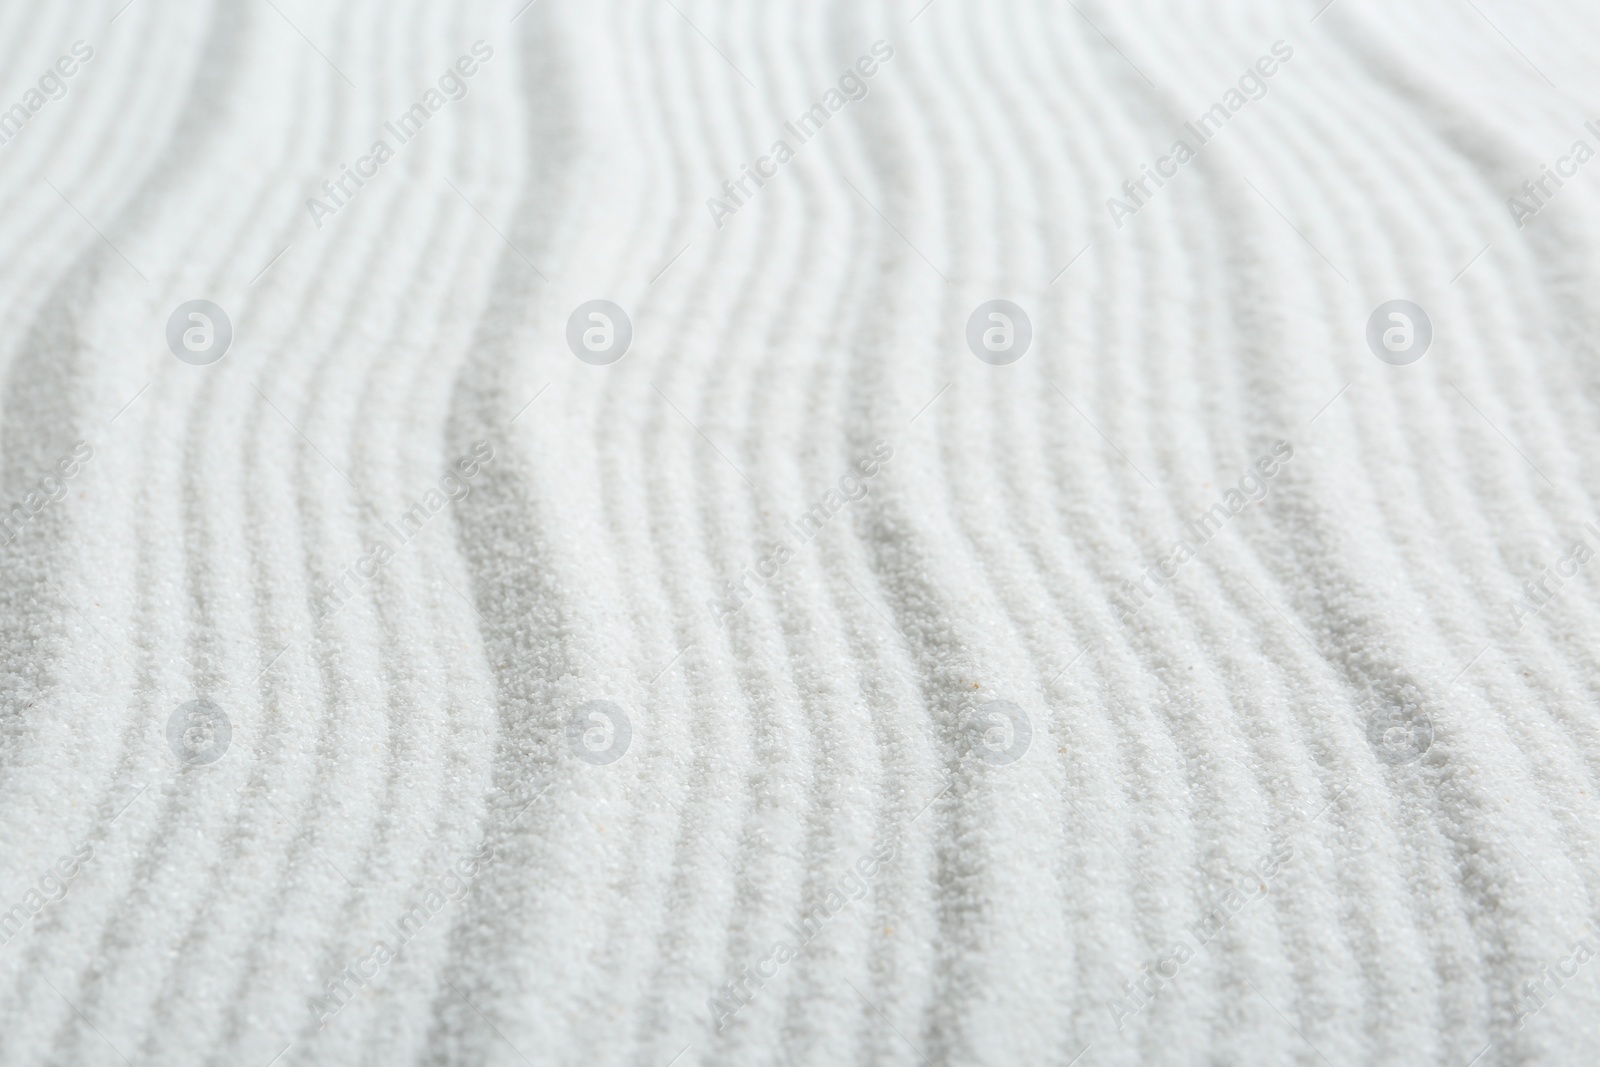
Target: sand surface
799,658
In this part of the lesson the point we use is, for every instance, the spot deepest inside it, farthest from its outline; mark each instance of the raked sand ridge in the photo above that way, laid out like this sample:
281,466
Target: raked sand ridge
870,533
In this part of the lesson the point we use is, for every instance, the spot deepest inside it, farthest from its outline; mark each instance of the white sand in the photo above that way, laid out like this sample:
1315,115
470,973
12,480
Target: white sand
1327,796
